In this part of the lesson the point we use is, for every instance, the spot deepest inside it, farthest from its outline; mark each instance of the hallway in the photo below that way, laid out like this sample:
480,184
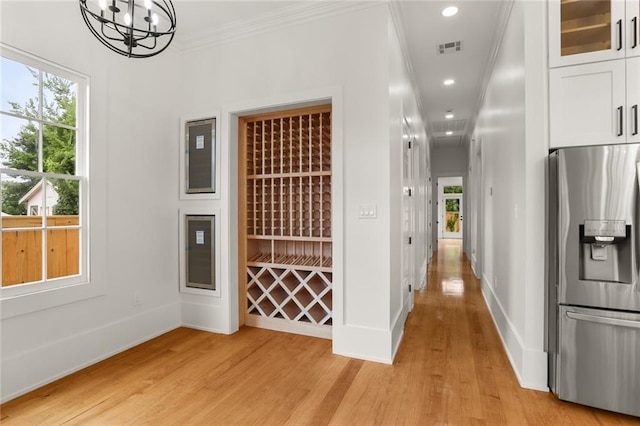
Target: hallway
451,370
464,374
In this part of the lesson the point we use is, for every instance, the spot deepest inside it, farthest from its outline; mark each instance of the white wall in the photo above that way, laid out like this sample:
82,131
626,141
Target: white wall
512,132
321,58
475,208
447,162
450,161
133,214
403,105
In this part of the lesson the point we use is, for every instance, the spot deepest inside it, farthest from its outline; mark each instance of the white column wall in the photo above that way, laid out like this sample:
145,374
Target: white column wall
320,58
511,130
133,215
403,104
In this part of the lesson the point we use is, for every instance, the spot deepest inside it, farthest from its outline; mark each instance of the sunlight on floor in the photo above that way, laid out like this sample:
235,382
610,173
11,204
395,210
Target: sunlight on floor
450,258
453,287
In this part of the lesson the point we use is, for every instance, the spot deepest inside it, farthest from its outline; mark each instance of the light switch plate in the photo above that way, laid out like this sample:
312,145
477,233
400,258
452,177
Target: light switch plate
368,211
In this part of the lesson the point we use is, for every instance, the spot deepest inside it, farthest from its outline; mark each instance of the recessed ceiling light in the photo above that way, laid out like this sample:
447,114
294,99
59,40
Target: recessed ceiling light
448,115
449,133
449,11
448,82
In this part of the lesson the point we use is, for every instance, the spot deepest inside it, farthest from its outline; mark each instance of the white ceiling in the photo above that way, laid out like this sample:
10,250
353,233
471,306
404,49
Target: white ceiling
477,25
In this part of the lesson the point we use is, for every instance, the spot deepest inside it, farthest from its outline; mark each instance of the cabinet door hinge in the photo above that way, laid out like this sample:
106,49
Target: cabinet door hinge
409,240
409,288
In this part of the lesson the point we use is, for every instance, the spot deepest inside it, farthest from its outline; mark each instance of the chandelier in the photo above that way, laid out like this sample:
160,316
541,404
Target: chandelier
133,28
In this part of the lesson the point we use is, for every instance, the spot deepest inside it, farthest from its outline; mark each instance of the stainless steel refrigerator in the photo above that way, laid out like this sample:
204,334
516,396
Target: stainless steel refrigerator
593,313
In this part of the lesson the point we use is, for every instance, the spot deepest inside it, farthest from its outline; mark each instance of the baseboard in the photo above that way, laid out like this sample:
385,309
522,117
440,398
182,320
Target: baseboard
26,371
369,344
423,275
529,365
209,317
295,327
473,265
397,329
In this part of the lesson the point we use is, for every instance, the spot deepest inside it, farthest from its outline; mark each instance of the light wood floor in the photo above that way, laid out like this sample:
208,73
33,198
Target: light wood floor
450,369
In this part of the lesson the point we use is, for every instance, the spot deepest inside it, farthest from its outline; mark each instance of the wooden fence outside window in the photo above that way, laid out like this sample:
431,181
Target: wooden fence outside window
22,250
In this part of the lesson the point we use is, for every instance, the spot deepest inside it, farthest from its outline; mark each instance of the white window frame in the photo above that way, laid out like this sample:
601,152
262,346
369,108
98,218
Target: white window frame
40,293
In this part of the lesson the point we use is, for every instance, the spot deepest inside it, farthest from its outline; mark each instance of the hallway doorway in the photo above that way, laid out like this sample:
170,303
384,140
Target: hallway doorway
450,207
452,216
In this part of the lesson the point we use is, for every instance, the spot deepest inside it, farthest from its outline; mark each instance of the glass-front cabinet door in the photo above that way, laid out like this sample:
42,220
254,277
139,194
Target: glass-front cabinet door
582,31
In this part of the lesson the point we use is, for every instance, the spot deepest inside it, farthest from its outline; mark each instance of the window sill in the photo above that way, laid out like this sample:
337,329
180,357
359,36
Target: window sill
33,302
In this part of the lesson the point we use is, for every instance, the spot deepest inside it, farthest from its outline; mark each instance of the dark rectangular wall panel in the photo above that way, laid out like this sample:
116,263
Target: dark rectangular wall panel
200,158
200,252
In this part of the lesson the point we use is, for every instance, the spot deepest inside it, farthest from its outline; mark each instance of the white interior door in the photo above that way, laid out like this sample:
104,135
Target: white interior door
408,217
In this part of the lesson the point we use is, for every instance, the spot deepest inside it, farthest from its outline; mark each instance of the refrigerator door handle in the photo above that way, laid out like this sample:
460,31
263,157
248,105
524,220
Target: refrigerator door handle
604,320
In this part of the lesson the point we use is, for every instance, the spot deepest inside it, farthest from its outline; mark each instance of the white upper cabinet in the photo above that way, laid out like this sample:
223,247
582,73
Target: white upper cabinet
633,99
587,104
583,31
633,28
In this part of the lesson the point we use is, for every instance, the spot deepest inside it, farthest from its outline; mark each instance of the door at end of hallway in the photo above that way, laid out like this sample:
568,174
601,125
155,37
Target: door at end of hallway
450,207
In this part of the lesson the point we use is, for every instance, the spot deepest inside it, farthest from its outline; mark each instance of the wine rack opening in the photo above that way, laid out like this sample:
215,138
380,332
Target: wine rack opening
285,220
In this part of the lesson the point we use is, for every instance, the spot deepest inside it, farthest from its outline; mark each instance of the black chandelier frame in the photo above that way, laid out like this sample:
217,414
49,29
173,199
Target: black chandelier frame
127,39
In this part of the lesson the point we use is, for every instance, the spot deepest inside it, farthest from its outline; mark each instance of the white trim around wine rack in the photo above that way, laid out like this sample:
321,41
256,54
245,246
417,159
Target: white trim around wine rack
277,324
229,230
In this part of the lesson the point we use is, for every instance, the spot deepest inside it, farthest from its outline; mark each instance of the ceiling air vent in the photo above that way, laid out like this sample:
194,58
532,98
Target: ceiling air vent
449,126
451,47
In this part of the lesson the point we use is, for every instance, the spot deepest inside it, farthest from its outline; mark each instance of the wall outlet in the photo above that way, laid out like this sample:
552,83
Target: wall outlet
136,299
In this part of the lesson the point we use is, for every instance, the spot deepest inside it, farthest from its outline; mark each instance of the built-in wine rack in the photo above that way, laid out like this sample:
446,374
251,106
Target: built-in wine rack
285,214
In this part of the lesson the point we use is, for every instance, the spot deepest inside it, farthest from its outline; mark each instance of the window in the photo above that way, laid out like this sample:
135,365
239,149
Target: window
455,189
43,179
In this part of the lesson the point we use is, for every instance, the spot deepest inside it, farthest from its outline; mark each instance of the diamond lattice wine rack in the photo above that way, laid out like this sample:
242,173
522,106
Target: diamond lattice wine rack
285,220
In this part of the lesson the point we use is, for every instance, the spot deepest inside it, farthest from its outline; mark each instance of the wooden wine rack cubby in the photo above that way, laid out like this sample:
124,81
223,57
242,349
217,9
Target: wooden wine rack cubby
285,220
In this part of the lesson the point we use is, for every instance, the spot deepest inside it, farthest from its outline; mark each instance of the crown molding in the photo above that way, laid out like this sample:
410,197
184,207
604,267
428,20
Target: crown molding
398,24
498,39
297,13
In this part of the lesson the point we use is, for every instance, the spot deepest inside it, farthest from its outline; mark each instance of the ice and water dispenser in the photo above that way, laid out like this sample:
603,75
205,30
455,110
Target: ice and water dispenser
606,251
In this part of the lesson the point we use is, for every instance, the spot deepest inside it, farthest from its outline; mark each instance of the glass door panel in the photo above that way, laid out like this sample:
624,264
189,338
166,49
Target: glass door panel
585,26
452,220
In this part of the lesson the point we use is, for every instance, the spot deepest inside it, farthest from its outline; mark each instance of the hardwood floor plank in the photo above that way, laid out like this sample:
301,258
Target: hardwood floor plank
451,369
